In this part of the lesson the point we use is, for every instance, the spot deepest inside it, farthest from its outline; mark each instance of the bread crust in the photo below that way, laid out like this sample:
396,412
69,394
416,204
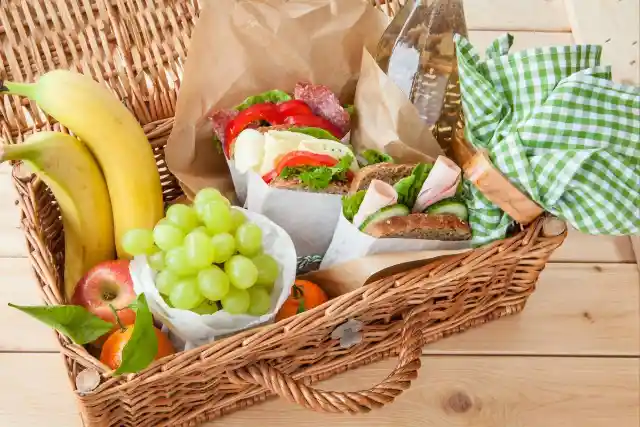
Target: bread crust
387,172
335,187
445,227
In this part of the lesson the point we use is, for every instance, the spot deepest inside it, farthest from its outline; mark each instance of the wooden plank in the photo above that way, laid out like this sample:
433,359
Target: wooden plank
522,39
19,287
616,26
12,241
580,247
585,309
449,392
521,15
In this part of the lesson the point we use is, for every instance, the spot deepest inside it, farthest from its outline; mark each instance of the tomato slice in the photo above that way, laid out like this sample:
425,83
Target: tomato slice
256,113
314,122
294,107
304,158
270,176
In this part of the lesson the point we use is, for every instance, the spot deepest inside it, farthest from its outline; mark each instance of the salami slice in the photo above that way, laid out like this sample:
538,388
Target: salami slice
219,121
324,103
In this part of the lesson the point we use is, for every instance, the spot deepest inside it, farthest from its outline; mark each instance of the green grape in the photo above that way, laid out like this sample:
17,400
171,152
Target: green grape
199,250
167,236
138,242
207,307
165,280
224,245
267,270
260,301
213,283
249,239
202,229
185,294
156,260
241,271
205,196
217,217
183,217
236,301
237,219
177,261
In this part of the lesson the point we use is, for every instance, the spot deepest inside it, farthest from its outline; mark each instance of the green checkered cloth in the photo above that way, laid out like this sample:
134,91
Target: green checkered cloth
556,125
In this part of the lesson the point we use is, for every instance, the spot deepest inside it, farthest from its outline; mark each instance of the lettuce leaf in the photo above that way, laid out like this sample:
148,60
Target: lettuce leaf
351,204
274,96
371,157
319,177
350,108
314,132
408,188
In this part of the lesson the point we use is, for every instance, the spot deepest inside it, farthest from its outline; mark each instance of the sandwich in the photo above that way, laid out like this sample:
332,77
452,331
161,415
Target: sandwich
311,109
419,201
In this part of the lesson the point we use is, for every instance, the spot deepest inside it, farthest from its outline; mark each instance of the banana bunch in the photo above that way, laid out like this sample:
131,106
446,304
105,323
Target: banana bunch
99,201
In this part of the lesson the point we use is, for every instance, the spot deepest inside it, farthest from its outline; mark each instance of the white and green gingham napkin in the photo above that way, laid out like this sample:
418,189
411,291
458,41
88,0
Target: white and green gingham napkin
556,125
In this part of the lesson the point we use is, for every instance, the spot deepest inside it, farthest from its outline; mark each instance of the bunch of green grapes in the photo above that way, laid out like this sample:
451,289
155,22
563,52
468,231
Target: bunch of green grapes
208,257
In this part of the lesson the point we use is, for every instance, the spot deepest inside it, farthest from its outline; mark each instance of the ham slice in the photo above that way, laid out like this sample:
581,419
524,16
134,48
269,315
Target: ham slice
441,183
379,195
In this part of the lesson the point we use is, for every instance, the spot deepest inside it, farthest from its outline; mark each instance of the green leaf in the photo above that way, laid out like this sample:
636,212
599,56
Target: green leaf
351,109
409,187
319,177
142,347
314,132
351,204
273,96
373,156
73,321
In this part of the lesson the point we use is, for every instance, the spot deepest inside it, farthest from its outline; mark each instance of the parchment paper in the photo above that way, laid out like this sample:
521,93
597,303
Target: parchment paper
349,243
309,218
244,47
195,330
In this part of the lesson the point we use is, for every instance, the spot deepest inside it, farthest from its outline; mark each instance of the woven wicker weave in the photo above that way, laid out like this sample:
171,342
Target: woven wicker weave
137,48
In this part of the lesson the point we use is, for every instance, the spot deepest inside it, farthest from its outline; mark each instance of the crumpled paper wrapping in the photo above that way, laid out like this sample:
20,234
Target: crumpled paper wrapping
192,329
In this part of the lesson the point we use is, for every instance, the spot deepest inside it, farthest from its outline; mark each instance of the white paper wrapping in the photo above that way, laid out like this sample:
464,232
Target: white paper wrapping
239,182
309,218
349,243
195,330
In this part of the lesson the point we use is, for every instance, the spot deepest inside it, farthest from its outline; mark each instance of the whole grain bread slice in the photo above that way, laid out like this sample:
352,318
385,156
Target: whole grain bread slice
387,172
336,187
445,227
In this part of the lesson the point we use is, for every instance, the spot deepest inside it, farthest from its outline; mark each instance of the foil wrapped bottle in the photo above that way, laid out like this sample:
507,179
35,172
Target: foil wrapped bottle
417,52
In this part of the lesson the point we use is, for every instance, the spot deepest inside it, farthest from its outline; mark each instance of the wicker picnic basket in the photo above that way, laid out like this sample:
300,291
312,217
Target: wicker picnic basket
137,48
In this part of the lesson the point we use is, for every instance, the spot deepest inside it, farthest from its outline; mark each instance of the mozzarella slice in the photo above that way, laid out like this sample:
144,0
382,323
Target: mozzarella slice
248,150
334,149
441,183
276,145
379,195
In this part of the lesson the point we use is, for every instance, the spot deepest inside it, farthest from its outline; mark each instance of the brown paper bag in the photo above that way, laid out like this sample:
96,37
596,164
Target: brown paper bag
243,47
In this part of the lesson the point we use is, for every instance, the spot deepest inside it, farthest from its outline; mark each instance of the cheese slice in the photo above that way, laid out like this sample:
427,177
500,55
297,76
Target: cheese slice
441,183
379,195
248,150
276,145
335,149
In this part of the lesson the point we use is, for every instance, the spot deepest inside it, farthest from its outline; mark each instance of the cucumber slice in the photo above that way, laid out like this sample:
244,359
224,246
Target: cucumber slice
449,206
384,214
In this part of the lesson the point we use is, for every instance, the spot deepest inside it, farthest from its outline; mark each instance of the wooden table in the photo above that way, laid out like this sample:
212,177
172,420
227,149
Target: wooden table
570,359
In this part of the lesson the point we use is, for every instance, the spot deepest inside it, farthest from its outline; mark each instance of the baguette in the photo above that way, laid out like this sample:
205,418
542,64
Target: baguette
335,187
421,226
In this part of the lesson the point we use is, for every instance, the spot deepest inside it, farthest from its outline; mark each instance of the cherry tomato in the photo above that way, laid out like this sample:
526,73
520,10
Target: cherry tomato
315,122
260,112
295,107
304,158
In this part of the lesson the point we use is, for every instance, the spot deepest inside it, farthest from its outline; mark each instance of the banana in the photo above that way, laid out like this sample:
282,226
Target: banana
113,135
69,170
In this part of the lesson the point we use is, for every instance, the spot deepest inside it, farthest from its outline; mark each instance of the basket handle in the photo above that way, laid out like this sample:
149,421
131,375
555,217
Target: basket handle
354,402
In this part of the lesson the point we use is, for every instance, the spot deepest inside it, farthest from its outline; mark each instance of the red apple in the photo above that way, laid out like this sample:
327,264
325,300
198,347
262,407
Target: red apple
107,284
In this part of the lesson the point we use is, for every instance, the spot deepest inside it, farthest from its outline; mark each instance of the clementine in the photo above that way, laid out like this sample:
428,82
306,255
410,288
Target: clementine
111,354
304,296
